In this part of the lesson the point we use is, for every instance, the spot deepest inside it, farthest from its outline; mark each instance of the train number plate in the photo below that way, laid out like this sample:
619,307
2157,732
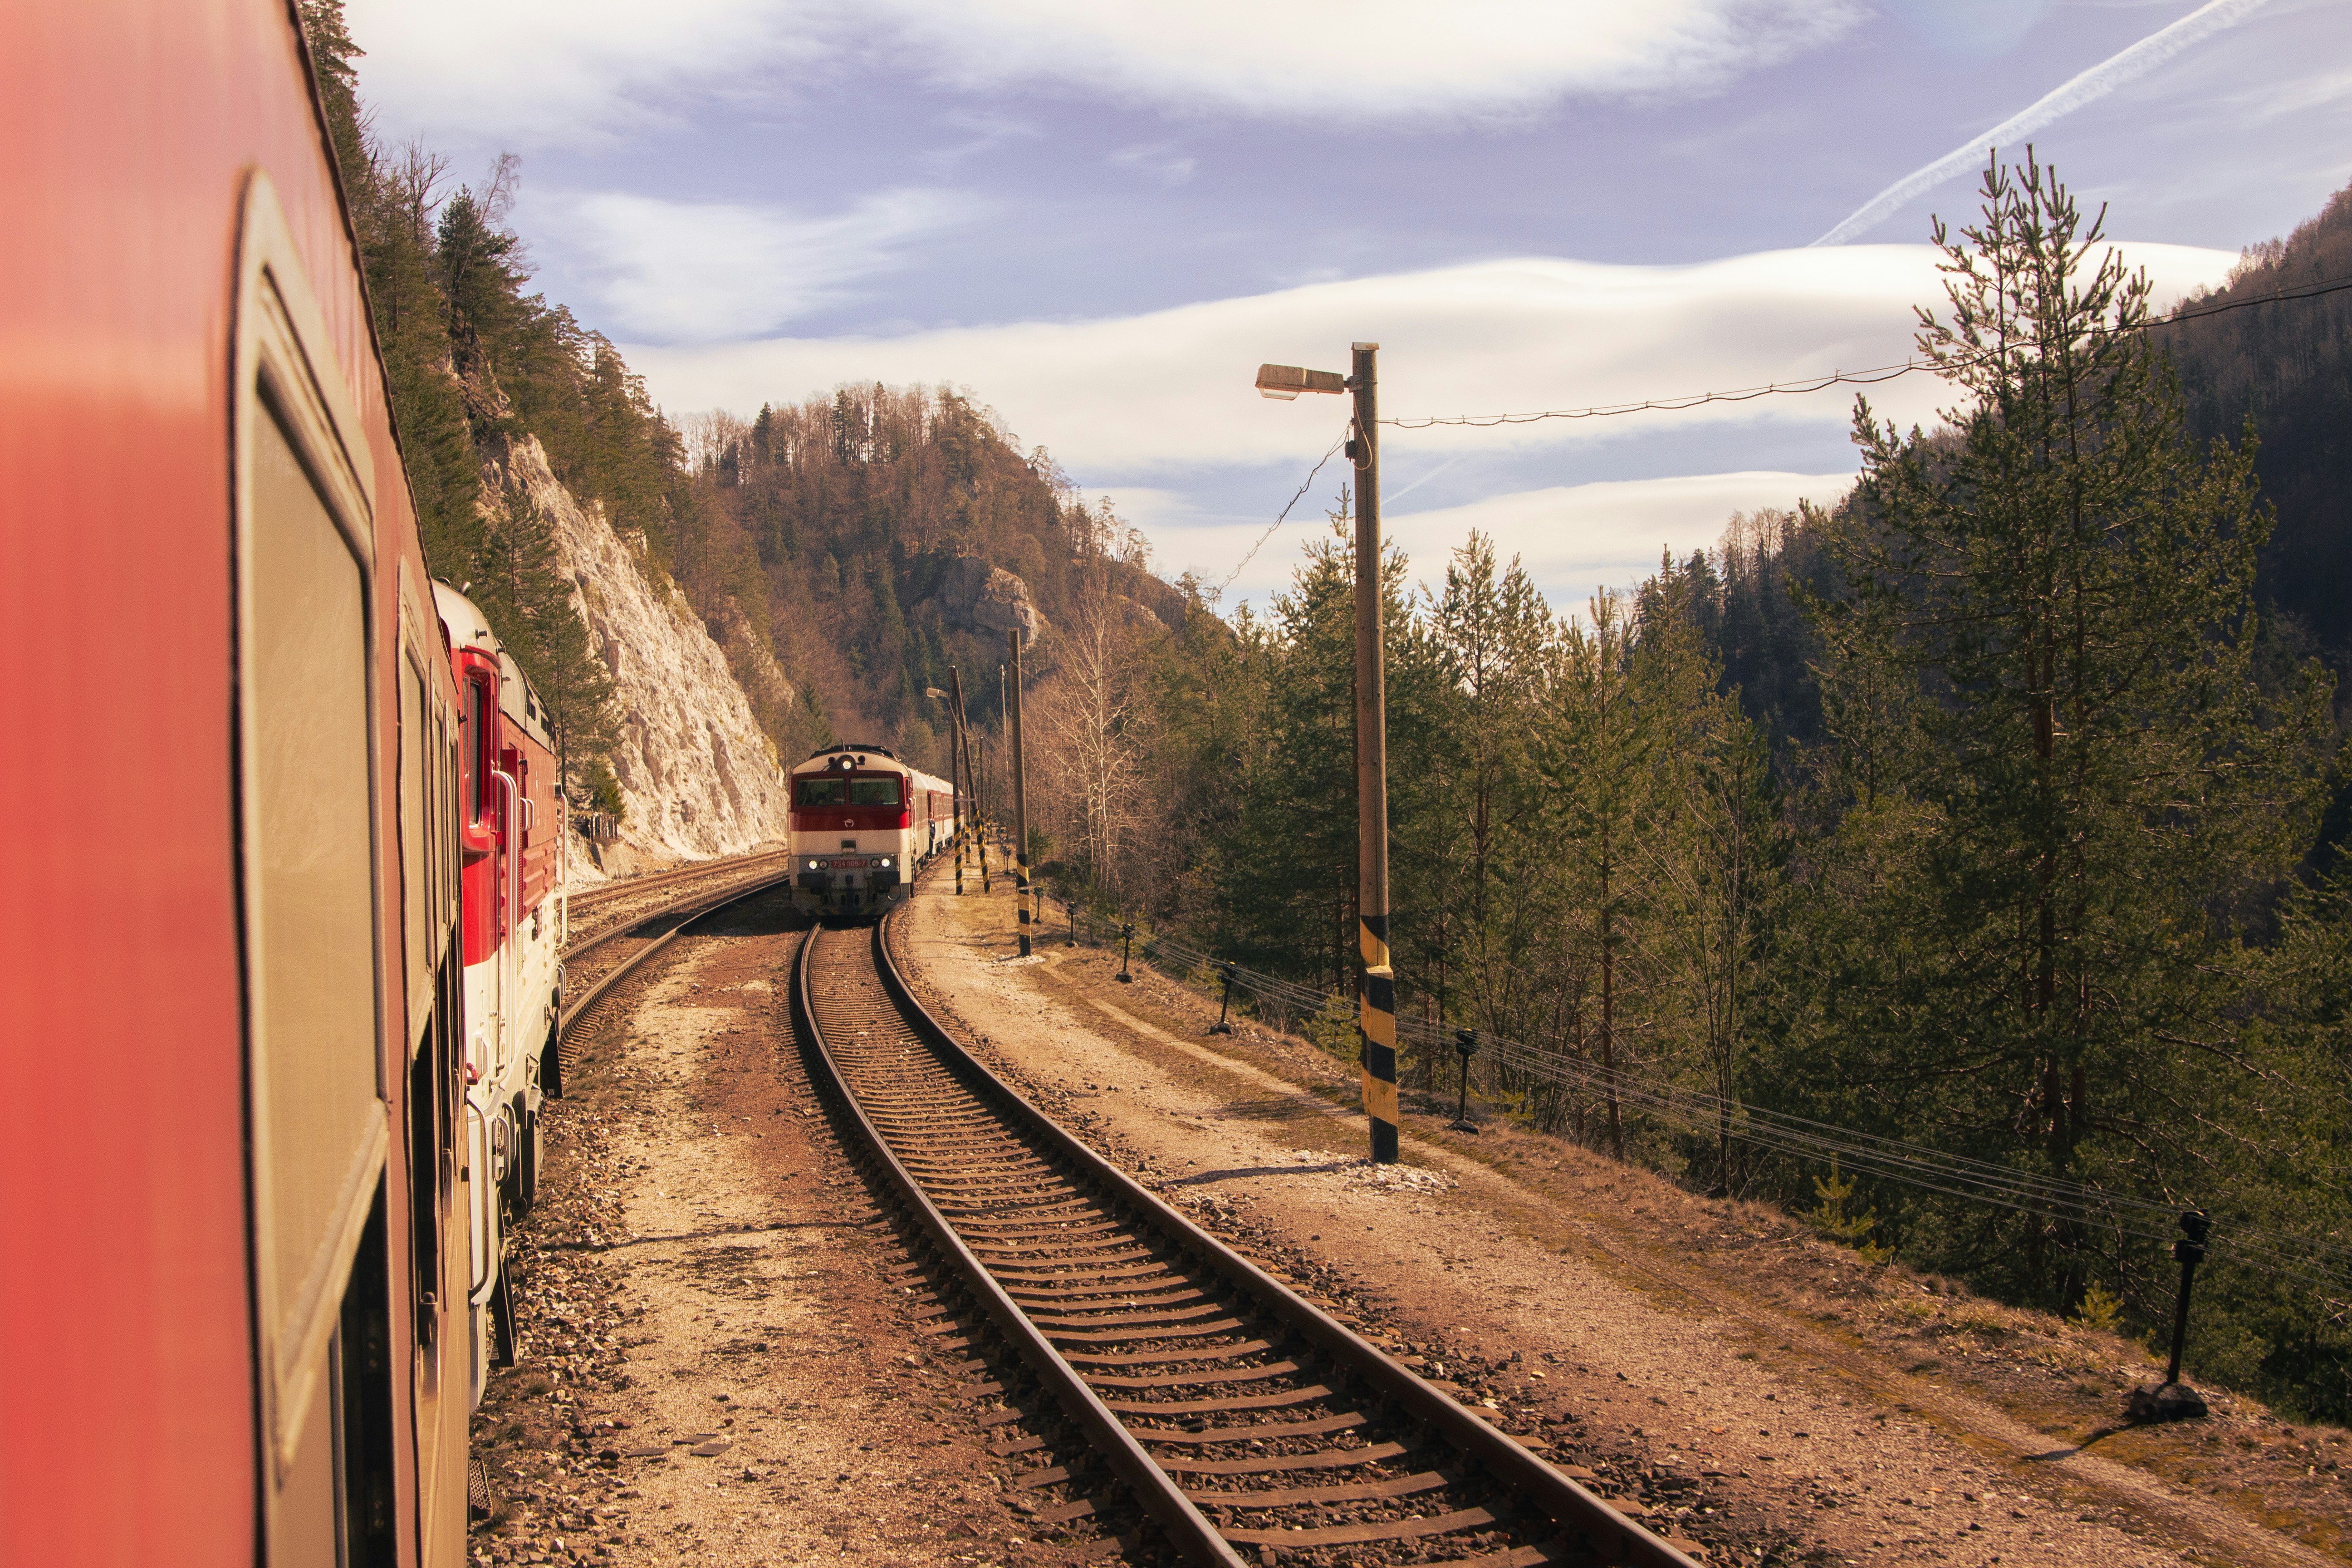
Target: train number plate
845,865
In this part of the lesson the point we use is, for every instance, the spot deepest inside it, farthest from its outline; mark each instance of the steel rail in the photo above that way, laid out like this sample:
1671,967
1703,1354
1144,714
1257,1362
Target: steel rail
602,893
1191,1531
683,902
1587,1526
695,907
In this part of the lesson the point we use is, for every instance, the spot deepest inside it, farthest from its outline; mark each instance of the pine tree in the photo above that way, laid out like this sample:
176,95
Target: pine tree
2101,790
1599,752
1716,841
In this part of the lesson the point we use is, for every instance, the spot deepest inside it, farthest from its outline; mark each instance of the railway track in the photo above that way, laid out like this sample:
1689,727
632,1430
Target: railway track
1244,1423
595,967
598,911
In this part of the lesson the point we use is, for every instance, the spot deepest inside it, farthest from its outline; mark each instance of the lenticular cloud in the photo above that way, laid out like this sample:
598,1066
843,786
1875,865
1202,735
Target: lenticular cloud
1361,60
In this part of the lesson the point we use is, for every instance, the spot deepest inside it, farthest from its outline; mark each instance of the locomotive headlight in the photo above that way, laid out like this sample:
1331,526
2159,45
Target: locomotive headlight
885,862
811,865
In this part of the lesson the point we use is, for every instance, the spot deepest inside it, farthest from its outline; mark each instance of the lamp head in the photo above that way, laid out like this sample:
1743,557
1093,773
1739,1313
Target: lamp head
1285,382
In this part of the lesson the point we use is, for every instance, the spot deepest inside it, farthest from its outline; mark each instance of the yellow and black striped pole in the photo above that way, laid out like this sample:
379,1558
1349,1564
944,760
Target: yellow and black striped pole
1020,803
1377,999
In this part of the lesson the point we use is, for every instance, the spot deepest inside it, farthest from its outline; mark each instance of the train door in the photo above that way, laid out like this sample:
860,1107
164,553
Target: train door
316,1099
488,850
427,772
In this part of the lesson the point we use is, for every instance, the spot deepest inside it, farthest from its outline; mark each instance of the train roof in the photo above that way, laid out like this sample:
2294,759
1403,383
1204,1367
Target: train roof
840,746
469,627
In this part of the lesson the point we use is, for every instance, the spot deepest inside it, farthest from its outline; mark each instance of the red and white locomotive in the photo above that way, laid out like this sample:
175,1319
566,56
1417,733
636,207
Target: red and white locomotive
511,832
862,823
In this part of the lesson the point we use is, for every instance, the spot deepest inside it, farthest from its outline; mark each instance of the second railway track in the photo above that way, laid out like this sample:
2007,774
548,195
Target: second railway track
590,983
1243,1422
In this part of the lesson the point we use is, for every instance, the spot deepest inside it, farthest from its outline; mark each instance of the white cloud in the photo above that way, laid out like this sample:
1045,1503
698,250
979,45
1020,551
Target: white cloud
1149,397
1363,60
1576,538
529,72
1571,537
983,134
1159,160
532,71
682,271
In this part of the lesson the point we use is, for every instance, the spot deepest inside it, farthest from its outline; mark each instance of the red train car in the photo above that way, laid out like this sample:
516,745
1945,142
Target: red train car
232,1183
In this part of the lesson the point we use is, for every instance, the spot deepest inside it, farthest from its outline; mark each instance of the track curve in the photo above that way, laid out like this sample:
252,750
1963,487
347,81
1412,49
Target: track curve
1240,1417
687,909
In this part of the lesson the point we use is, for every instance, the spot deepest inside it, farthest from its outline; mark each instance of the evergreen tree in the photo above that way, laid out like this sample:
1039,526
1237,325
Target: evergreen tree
2103,791
1599,753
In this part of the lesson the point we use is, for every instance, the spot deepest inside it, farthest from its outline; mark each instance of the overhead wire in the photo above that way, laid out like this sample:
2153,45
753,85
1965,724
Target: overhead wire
1870,378
1285,514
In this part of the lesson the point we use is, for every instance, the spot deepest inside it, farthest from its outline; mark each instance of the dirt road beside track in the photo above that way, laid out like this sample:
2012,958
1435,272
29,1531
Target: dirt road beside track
1706,1361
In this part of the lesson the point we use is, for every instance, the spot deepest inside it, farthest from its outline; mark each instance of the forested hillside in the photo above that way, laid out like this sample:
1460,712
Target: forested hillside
1979,812
880,536
843,553
2285,370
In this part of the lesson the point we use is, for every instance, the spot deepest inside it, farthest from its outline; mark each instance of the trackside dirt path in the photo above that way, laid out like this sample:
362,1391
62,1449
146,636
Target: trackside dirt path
723,1360
1742,1385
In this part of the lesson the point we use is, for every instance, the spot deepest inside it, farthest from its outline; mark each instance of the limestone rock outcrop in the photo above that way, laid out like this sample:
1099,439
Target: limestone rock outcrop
979,597
699,776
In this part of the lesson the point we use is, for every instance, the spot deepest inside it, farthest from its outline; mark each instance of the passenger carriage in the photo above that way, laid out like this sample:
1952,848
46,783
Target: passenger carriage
863,822
232,1092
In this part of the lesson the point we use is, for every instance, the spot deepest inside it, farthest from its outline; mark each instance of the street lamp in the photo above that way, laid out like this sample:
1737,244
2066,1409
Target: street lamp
1376,999
1284,382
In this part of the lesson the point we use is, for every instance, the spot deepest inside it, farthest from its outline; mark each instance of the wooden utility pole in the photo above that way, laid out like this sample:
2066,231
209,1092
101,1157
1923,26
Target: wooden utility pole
958,769
1020,803
1377,995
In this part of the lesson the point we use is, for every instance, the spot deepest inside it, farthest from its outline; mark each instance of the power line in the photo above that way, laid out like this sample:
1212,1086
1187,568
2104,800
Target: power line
1285,513
1870,378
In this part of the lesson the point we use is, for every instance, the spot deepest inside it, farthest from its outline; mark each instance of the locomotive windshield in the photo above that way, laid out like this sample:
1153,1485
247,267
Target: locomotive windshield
831,789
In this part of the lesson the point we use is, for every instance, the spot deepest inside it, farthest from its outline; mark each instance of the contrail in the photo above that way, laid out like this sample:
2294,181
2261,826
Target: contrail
2088,88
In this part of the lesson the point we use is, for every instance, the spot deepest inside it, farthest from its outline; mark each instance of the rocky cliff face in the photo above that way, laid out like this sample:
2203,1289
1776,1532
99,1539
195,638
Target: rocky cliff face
979,597
699,776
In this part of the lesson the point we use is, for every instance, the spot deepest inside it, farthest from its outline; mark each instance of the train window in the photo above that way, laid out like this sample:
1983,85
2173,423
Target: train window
416,899
874,792
822,792
478,734
309,842
309,881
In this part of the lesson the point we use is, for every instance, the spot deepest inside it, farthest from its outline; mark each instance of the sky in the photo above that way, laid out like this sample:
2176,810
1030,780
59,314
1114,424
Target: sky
1098,216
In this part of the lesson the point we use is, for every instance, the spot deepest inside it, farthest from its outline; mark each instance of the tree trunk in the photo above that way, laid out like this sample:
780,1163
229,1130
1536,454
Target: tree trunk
1609,1003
